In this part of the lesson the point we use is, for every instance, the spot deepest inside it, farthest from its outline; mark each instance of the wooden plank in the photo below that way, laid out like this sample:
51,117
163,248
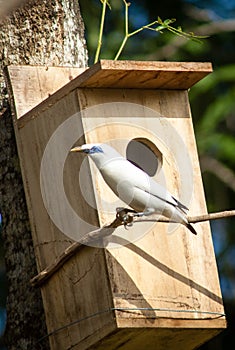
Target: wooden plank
167,103
152,339
144,75
30,85
34,84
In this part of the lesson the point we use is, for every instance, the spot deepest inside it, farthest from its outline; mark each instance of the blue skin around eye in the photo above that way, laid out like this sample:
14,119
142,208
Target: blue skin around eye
94,149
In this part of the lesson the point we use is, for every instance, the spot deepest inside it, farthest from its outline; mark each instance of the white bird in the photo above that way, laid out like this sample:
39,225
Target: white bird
133,186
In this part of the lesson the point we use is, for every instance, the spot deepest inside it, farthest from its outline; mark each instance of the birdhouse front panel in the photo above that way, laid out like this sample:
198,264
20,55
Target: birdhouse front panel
146,285
157,270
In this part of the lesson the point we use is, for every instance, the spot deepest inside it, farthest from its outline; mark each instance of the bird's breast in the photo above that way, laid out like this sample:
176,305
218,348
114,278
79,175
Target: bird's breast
126,180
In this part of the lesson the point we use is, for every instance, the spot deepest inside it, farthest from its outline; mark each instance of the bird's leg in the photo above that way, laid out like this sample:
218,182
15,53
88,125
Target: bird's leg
147,212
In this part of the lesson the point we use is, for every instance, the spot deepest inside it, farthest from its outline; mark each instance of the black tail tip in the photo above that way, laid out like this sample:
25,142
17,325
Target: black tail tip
191,228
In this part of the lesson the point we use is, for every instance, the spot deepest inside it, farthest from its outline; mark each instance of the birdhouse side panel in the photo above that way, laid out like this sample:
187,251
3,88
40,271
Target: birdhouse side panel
59,215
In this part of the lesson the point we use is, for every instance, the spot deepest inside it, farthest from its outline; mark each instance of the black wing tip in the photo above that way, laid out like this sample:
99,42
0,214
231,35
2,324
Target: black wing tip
181,206
191,228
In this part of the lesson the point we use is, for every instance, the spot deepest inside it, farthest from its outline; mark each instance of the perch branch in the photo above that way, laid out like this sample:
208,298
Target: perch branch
123,217
87,239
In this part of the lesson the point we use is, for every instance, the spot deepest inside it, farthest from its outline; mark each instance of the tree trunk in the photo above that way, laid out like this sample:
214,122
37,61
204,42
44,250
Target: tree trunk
39,32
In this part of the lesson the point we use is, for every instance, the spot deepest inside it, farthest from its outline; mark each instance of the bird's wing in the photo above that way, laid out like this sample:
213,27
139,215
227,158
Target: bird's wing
120,170
173,201
160,192
181,206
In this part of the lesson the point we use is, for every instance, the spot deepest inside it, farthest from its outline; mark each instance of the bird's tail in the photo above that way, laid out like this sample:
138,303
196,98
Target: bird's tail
179,216
191,228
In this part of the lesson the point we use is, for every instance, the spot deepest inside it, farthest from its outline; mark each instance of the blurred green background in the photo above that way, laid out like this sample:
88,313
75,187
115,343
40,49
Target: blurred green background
212,102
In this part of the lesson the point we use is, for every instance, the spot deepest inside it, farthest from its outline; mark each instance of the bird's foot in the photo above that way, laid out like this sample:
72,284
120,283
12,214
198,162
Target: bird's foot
125,215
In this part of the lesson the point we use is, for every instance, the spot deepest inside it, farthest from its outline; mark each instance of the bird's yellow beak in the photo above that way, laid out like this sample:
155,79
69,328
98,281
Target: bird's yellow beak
77,149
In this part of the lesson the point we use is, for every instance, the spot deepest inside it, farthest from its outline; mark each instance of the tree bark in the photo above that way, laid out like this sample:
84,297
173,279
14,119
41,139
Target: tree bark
38,32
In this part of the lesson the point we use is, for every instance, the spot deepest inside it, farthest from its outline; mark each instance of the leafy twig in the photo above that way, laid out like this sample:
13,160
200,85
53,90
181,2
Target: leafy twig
158,26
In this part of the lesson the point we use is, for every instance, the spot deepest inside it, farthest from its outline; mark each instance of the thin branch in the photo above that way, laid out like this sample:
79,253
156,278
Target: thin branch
97,55
126,31
212,216
121,47
123,217
157,26
193,219
128,35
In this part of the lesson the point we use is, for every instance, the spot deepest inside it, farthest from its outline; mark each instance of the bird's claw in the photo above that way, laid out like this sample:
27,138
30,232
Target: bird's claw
127,222
125,216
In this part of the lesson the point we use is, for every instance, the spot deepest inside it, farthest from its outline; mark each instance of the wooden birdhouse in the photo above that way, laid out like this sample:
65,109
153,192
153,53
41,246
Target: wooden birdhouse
153,285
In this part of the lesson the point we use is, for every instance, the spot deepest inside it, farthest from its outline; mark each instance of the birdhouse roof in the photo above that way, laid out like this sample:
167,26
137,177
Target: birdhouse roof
31,86
144,75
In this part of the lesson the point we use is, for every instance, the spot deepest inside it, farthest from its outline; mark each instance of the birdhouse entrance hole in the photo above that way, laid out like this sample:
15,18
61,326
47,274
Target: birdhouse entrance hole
145,155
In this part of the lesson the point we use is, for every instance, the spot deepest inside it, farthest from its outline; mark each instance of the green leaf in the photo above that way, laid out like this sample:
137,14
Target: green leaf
169,21
159,28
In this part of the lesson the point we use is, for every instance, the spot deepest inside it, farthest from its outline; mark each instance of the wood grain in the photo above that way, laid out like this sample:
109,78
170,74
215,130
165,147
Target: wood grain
148,269
31,85
145,75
